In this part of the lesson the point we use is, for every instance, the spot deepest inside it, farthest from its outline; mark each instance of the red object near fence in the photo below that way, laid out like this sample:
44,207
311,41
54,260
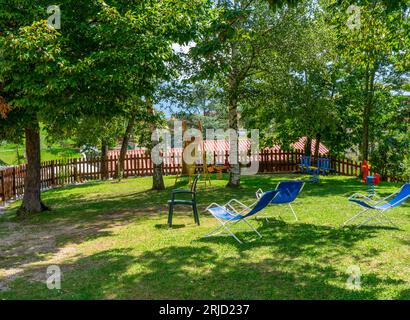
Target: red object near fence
376,179
365,171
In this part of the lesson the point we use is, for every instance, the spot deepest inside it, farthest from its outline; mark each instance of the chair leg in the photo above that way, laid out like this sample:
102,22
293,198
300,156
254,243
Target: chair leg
232,234
215,230
293,211
249,224
224,226
196,215
355,217
170,212
377,216
263,216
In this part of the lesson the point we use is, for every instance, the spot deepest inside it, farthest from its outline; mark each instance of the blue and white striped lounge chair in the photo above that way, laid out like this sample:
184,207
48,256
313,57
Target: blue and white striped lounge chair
378,207
288,192
228,215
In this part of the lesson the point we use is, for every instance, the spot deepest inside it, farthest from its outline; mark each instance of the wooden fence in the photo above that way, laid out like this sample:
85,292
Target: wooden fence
64,172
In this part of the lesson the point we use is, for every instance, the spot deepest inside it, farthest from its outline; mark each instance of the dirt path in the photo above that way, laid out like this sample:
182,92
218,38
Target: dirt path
26,250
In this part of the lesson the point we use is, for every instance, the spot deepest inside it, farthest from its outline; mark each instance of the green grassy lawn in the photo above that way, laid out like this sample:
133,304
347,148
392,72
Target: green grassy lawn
55,151
9,157
112,242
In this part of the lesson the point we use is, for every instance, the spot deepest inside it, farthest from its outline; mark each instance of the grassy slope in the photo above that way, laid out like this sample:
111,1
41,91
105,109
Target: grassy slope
10,158
111,241
49,152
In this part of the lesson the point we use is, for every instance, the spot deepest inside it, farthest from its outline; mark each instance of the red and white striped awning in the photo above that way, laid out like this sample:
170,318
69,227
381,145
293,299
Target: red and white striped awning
244,145
300,146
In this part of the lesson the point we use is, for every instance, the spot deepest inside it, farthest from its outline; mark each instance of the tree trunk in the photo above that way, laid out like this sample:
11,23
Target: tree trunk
104,156
308,146
185,166
18,154
368,106
235,169
32,182
124,147
317,145
157,177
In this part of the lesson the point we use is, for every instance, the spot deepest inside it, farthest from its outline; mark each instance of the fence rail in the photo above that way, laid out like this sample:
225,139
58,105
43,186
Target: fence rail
68,171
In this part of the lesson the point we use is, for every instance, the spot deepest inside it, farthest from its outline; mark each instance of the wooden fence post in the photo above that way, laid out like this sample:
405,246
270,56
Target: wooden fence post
53,178
2,192
75,171
14,183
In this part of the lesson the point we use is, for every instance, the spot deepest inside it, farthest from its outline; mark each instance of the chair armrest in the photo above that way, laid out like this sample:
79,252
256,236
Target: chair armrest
359,195
374,197
243,207
182,191
229,203
213,204
259,193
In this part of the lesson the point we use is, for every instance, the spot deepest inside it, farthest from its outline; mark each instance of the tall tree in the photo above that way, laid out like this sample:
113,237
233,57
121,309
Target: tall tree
157,177
109,51
30,70
293,95
230,51
375,41
134,113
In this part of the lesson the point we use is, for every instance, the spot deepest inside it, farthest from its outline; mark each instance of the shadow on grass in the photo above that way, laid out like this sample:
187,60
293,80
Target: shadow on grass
186,272
199,273
404,295
299,239
166,226
292,262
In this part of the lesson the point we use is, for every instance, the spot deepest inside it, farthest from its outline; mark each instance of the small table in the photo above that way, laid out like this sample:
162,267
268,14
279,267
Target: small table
219,169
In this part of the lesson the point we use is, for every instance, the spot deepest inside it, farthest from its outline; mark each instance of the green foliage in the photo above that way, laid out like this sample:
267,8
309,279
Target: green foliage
19,13
319,76
289,68
108,55
30,71
196,101
296,91
372,69
233,42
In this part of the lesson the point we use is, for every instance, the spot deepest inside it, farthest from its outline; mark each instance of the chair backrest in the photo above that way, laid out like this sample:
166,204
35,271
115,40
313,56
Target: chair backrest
323,163
306,161
401,196
289,190
194,183
264,200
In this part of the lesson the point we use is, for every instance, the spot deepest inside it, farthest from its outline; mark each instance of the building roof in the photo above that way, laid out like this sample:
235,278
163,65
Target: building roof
244,145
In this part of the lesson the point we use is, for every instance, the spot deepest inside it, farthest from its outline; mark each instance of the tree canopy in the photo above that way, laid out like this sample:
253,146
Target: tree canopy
332,70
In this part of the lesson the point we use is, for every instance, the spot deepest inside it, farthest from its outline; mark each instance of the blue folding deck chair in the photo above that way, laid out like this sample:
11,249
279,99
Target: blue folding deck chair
228,215
324,166
288,192
379,206
305,164
307,167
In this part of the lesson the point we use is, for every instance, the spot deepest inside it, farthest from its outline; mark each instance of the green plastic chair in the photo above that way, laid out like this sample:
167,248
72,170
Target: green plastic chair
190,202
